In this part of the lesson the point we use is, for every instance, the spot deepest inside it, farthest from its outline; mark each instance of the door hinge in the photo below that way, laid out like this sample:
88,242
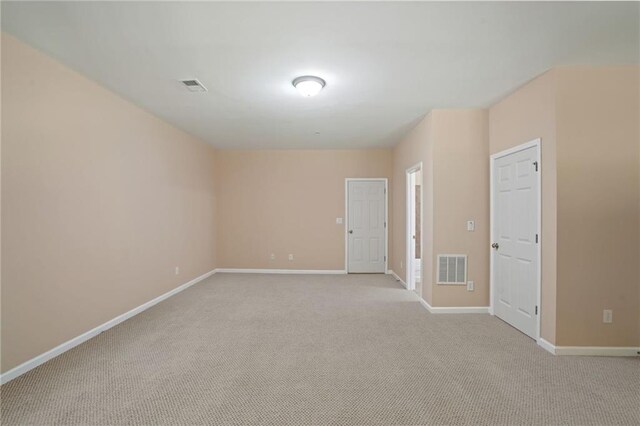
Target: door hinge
536,238
536,309
535,163
385,258
385,224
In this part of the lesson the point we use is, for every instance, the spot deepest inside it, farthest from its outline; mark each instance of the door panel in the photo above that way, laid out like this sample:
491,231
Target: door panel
366,222
515,260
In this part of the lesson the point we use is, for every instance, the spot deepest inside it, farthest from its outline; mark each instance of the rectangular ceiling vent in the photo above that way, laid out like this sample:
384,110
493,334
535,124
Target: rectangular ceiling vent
194,85
452,269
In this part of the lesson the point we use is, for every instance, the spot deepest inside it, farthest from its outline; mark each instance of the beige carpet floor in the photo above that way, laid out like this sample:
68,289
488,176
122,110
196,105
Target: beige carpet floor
303,350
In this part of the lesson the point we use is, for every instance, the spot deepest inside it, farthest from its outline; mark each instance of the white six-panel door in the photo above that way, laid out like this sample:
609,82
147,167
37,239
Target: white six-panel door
515,239
366,221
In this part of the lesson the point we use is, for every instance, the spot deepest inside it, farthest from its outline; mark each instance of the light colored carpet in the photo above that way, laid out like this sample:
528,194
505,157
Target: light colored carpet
302,350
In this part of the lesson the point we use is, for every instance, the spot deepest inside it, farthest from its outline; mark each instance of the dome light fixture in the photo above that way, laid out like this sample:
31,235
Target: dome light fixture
308,85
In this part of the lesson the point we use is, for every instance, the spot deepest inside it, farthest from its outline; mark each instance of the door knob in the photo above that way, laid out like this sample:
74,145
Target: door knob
495,245
351,231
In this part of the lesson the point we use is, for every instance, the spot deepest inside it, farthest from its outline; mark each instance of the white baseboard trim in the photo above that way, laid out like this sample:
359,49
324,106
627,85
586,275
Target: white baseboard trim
589,350
549,347
455,309
444,310
69,344
390,272
282,271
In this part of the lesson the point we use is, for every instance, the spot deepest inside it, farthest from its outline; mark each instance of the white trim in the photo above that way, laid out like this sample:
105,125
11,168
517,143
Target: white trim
282,271
424,304
534,143
597,350
411,282
397,278
346,219
549,347
454,309
445,309
69,344
518,148
590,350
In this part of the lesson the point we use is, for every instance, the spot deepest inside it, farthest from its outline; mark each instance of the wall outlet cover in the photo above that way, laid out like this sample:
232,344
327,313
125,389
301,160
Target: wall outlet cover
470,286
290,257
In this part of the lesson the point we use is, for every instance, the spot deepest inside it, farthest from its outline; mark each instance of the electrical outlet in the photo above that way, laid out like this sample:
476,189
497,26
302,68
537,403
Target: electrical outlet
177,270
339,220
469,285
273,256
290,257
607,316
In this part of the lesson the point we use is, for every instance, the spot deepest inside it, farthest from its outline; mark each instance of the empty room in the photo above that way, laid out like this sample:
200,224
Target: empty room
320,213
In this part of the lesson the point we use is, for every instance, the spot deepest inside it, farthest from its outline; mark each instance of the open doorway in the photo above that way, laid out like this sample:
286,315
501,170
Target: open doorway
414,228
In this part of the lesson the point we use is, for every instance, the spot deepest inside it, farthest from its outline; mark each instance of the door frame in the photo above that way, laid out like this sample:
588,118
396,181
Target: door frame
346,220
411,284
492,159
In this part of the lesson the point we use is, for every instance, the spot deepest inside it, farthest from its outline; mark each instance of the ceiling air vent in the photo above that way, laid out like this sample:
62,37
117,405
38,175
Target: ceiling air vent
452,269
194,85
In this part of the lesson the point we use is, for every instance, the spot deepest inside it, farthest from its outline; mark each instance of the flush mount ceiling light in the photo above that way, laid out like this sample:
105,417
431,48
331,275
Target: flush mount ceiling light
308,85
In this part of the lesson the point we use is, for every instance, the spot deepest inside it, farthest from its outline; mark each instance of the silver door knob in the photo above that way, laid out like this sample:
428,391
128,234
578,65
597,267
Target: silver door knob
495,245
351,231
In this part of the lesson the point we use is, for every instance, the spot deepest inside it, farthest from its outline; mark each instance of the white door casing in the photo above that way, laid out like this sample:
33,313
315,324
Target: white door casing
515,237
412,264
366,226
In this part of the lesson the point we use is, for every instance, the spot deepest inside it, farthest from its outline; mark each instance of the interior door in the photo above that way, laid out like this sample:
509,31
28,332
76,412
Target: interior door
515,242
366,226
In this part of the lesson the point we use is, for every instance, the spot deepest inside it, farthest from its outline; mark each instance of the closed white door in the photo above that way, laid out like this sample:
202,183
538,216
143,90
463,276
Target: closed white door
366,234
515,239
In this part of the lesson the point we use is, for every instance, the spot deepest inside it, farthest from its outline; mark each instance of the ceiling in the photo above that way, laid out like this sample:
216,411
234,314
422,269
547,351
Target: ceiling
386,64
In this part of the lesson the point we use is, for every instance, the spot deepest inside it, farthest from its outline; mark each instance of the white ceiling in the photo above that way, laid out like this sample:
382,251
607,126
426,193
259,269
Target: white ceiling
386,64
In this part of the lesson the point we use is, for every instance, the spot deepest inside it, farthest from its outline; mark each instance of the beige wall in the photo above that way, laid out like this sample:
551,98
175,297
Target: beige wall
453,146
286,202
461,188
530,113
101,201
587,119
598,141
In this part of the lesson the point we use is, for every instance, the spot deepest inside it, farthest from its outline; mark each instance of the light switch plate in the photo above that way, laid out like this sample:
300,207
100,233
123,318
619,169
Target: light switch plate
339,220
607,316
471,225
469,285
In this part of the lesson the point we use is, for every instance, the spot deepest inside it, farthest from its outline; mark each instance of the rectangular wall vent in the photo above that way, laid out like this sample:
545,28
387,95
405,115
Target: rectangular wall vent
452,269
194,85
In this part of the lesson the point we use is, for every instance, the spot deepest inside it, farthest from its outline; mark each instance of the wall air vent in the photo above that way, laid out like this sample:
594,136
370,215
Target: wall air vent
452,269
194,85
